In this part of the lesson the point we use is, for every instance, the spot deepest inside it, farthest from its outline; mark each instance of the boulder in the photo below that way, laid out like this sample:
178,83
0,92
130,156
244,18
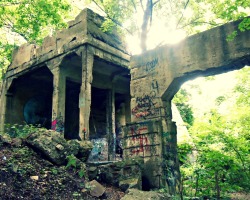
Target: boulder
96,189
81,149
55,148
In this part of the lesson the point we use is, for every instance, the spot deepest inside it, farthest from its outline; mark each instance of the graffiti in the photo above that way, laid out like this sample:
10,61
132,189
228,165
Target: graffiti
155,85
58,125
150,65
84,131
145,107
138,129
143,141
145,151
99,151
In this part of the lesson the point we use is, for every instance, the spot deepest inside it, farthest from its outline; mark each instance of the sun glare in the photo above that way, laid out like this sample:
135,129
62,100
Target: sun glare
158,35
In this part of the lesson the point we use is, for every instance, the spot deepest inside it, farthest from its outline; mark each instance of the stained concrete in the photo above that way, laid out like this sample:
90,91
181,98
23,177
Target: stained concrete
93,94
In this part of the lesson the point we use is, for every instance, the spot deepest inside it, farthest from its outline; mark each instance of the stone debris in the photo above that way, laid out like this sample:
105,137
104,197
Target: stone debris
96,189
55,148
35,178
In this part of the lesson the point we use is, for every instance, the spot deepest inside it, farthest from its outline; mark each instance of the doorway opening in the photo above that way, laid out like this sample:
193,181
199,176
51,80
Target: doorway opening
29,99
71,126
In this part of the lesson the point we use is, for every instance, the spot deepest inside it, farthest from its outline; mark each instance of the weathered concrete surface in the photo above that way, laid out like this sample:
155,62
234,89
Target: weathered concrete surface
85,74
84,29
77,59
158,74
205,54
124,174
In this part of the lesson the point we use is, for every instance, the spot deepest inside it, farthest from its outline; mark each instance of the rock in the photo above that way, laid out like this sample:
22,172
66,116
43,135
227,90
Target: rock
81,149
60,147
144,195
16,142
129,183
5,138
53,146
35,178
96,189
50,144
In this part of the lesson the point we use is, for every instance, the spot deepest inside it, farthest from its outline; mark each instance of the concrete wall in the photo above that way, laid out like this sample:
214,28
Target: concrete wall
93,59
157,75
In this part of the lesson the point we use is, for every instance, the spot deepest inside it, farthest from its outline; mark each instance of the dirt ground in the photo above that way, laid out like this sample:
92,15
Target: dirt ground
24,174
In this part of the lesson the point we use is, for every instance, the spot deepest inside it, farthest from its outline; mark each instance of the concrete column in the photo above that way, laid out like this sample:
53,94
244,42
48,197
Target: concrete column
58,102
2,106
113,141
85,92
170,154
5,103
110,115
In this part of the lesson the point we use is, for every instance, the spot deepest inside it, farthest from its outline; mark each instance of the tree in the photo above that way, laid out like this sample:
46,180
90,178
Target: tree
185,109
29,21
137,16
35,19
222,145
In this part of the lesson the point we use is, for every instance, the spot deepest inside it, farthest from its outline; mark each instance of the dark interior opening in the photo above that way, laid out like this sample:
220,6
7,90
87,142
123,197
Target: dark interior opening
98,122
146,186
30,99
71,126
37,111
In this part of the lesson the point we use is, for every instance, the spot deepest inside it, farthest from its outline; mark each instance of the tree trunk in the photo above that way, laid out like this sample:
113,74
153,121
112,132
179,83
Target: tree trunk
217,186
147,17
196,183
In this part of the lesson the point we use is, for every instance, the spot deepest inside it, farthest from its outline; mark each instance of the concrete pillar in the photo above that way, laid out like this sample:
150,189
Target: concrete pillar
58,102
170,154
110,115
85,92
5,103
2,106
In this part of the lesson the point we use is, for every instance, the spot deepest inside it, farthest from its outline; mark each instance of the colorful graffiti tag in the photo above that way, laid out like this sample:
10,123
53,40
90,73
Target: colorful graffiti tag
145,107
99,151
58,125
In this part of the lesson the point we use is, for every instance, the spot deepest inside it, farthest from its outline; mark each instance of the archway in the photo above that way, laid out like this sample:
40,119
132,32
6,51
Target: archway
71,80
29,98
220,123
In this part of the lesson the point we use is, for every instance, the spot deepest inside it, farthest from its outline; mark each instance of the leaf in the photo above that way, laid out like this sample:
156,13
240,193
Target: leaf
81,173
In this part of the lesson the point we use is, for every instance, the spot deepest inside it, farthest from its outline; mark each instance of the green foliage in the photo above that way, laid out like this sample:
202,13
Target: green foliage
219,100
71,161
181,101
5,56
221,148
19,130
29,20
184,151
75,165
81,173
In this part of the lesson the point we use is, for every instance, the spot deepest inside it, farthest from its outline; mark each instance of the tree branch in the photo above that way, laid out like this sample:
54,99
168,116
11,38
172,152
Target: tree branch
142,6
182,13
156,2
6,4
112,19
195,22
133,2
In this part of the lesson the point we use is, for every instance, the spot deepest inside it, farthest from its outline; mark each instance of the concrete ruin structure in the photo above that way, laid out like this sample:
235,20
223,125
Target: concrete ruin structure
82,83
